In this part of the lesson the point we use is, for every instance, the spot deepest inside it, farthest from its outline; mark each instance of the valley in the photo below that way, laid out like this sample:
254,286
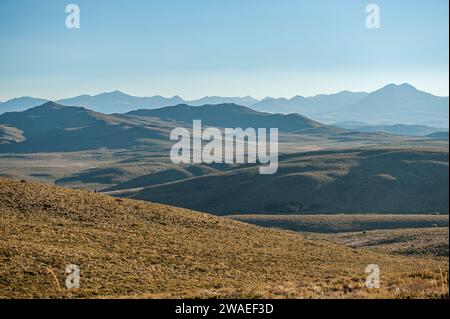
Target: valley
100,191
233,150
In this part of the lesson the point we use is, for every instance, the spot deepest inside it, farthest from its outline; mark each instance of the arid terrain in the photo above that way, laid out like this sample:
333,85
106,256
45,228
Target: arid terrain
128,248
430,242
224,150
344,223
371,180
401,234
340,200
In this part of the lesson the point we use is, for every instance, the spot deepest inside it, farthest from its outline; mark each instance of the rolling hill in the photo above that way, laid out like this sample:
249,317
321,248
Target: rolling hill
130,249
53,127
232,116
379,180
162,177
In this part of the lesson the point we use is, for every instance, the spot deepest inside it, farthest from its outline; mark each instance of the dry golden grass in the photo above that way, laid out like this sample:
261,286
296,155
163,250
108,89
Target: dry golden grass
133,249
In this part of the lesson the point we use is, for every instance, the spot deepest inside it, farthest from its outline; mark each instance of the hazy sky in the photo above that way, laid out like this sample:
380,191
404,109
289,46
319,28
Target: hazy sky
216,47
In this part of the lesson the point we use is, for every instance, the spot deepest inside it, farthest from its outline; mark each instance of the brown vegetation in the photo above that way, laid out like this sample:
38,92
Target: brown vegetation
128,248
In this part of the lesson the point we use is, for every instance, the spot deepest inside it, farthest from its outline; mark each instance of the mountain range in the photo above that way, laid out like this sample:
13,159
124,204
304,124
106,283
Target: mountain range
314,105
53,127
391,104
119,102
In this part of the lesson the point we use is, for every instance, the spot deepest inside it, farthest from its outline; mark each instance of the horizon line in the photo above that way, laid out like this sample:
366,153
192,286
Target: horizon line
221,96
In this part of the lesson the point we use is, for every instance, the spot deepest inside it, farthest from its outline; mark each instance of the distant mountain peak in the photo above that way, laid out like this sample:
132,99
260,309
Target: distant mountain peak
403,86
51,105
115,93
407,85
24,98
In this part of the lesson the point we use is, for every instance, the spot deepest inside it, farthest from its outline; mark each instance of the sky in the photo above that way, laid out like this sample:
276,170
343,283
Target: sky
214,47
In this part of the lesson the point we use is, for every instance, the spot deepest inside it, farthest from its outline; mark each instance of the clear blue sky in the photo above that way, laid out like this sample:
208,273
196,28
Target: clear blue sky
215,47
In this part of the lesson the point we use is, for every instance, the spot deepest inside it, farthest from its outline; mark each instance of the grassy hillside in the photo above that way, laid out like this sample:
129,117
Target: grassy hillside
128,248
381,180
